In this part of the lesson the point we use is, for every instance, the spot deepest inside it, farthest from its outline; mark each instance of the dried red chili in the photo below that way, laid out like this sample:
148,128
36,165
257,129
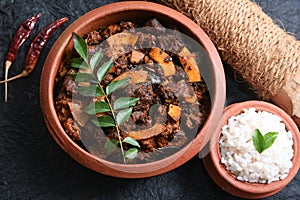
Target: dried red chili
21,35
38,44
36,47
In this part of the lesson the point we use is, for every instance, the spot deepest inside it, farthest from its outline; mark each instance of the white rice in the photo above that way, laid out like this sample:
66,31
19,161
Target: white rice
241,158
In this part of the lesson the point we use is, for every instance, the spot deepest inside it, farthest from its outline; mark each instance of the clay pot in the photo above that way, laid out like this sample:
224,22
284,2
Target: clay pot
113,13
226,180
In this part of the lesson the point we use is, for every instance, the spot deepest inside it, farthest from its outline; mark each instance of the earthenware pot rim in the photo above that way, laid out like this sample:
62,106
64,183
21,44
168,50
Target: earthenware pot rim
55,56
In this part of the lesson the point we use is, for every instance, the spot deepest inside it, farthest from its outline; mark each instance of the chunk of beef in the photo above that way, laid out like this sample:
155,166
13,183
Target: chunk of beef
72,129
161,142
148,144
107,79
155,24
170,42
110,30
145,94
62,107
127,25
167,95
93,37
69,85
145,41
172,127
179,139
122,64
140,117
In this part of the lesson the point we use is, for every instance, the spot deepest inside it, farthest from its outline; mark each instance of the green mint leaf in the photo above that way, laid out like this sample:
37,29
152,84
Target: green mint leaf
95,59
81,47
91,91
131,141
125,102
131,153
262,142
96,107
258,141
104,69
104,121
110,146
270,138
113,86
123,115
84,77
79,63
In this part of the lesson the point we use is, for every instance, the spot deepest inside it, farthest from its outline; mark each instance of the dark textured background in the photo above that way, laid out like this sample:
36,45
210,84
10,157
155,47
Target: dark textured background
32,166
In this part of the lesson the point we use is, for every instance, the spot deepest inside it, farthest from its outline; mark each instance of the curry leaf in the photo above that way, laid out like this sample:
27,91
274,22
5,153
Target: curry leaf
104,121
131,141
123,115
84,77
270,139
80,47
113,86
131,153
96,58
73,75
262,142
125,102
79,63
90,91
110,146
94,89
258,140
104,69
97,107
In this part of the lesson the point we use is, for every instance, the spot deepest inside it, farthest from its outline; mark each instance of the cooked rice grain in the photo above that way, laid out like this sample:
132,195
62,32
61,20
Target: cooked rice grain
239,155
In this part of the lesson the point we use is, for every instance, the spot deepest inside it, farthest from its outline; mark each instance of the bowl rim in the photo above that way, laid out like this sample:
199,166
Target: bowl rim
226,179
48,81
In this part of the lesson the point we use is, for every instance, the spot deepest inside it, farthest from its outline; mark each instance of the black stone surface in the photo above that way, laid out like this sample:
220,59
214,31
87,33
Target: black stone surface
32,166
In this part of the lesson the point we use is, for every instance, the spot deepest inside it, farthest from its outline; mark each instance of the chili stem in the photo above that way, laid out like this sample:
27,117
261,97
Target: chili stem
22,74
7,66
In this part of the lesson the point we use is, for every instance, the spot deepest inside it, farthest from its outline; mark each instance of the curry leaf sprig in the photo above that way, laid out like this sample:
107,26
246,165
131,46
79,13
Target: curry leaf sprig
113,115
263,142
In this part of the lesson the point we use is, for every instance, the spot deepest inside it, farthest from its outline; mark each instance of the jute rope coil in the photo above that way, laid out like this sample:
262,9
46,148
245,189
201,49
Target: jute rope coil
248,40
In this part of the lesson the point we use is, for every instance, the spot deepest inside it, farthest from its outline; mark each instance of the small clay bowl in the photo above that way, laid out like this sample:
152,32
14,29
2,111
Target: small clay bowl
114,13
226,180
